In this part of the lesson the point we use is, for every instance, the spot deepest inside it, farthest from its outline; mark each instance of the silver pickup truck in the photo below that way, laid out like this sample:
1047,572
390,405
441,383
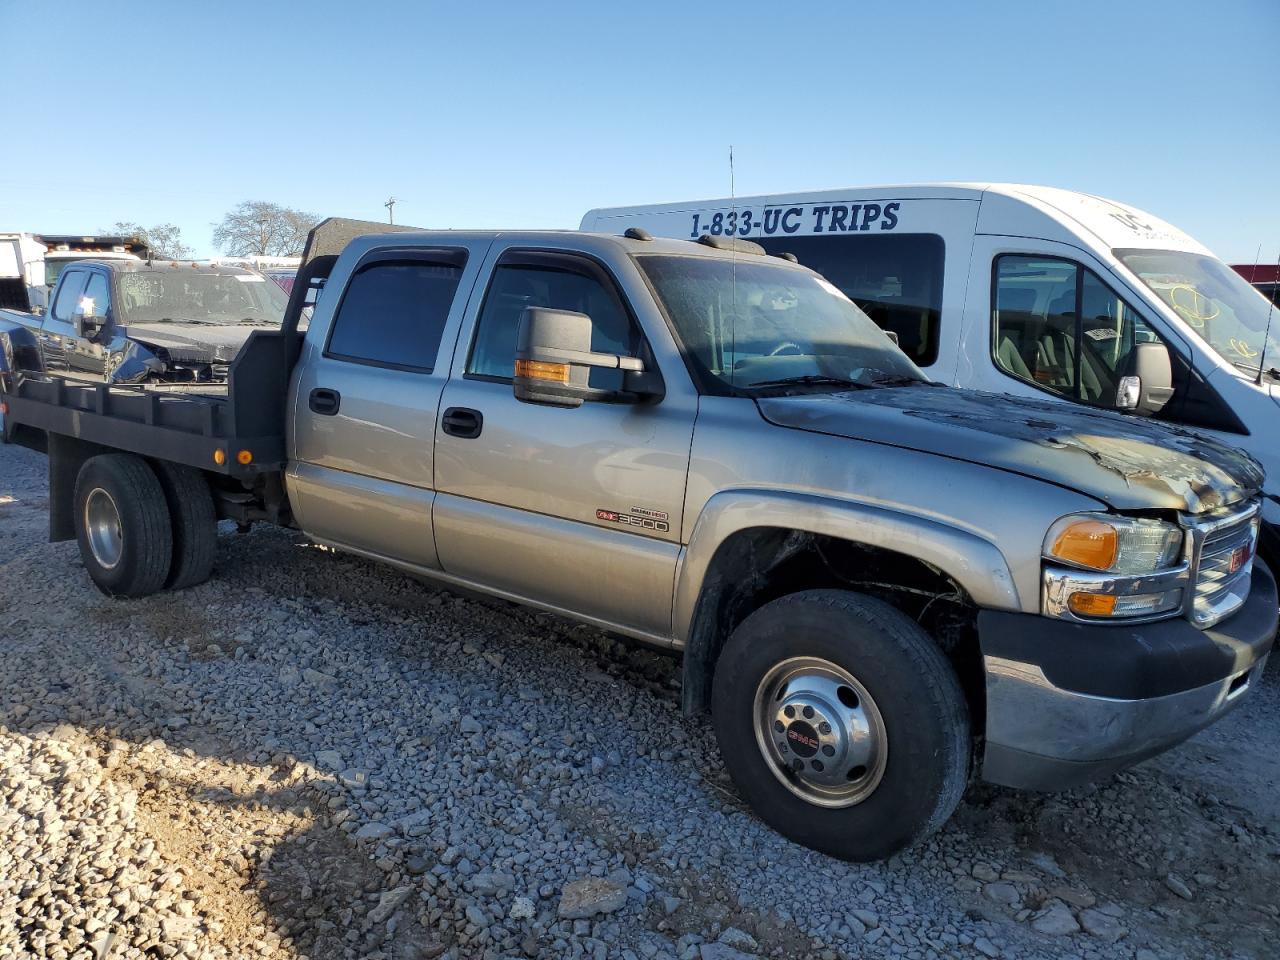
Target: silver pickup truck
881,587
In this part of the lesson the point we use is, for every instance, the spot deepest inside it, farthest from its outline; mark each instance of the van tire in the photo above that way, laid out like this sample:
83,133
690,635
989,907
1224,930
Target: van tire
122,525
194,521
914,697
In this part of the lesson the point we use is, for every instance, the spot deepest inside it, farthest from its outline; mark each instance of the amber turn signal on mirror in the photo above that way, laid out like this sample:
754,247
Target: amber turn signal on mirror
541,370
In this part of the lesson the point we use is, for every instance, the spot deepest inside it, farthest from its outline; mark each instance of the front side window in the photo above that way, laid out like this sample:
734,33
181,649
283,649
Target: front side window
560,283
393,314
896,279
96,299
1056,325
758,327
1218,304
68,295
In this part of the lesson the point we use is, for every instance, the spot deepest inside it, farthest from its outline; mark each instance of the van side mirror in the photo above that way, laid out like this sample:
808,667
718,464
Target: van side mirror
554,360
1148,385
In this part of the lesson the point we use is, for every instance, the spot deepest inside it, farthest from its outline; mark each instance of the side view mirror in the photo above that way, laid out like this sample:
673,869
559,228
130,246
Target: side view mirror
88,322
1148,385
554,360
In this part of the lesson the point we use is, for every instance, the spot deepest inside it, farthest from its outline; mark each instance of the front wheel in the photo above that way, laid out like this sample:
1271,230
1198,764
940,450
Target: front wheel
842,723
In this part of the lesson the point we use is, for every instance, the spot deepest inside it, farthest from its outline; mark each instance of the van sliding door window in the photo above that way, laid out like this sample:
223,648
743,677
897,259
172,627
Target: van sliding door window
393,313
895,279
1056,325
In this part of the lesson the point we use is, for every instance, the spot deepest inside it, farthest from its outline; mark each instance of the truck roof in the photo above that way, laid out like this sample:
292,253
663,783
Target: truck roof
133,264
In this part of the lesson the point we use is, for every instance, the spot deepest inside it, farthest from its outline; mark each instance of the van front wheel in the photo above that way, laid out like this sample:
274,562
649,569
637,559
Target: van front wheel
842,723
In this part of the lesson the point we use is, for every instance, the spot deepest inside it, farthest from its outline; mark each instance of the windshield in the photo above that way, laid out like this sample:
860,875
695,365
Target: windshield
152,296
1214,301
754,327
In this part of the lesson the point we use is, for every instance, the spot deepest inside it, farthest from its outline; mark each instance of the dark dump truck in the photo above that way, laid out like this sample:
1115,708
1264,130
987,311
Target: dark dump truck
880,587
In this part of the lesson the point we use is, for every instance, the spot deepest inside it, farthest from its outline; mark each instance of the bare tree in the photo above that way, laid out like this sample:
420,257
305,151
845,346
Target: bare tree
257,228
164,239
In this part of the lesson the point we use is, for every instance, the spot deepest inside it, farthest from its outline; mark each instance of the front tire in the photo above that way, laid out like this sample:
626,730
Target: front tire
842,723
122,525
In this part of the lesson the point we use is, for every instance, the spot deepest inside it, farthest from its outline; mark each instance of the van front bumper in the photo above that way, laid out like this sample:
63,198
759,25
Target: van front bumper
1068,703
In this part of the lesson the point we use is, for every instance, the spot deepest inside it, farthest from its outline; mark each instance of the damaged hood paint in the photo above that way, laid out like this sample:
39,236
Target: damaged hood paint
1123,461
195,342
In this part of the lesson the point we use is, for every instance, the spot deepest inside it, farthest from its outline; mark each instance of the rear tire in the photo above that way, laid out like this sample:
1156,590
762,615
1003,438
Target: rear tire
194,521
122,525
842,723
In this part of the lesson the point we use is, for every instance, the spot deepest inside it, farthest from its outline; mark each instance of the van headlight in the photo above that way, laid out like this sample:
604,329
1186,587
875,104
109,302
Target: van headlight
1103,567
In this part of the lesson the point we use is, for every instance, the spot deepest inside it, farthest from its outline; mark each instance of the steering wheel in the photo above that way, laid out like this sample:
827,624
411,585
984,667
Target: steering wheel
788,349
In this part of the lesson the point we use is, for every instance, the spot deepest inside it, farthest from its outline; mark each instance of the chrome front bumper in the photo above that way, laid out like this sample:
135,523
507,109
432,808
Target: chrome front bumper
1069,703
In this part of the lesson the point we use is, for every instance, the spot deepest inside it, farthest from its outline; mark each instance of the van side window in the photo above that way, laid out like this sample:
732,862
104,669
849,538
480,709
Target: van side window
68,295
896,279
393,313
563,283
1055,324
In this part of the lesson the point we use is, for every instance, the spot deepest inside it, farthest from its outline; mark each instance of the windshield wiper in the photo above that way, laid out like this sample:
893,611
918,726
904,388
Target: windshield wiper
206,323
808,379
894,380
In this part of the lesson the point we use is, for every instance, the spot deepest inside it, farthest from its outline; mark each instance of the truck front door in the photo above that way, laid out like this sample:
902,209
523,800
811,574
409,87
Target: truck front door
576,509
367,397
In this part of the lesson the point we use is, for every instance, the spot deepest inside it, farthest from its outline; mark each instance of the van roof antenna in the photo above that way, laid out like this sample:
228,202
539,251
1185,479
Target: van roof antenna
1266,334
733,260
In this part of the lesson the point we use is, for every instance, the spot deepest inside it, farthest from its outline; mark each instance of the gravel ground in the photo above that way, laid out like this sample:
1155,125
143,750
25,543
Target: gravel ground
314,756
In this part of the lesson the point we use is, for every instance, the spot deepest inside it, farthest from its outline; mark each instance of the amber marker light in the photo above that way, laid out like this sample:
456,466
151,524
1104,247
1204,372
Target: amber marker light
1088,543
1092,604
540,370
219,456
244,457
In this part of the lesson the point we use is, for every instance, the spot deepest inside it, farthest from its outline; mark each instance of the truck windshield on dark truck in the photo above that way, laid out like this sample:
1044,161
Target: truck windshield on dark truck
880,587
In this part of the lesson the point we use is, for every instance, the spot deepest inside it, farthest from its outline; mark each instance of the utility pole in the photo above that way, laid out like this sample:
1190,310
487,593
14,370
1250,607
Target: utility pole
391,210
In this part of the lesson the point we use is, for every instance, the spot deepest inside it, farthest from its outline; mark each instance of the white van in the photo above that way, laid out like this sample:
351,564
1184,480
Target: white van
1032,291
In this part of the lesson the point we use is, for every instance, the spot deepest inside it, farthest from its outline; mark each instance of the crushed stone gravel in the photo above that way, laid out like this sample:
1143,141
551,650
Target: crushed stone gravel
314,756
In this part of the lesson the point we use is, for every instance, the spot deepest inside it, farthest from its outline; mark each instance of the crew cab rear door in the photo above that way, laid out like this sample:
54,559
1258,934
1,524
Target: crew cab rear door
575,509
367,399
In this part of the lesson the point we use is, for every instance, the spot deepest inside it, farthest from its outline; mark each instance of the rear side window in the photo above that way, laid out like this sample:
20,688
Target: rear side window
393,313
896,280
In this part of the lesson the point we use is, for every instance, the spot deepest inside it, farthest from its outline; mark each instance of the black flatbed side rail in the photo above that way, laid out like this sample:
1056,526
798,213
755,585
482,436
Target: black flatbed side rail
181,428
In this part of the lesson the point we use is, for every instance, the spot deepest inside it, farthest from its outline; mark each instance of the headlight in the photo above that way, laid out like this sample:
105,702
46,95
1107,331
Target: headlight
1122,545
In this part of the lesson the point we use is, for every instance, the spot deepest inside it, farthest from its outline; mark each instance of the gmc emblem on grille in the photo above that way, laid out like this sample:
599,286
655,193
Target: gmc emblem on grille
1239,557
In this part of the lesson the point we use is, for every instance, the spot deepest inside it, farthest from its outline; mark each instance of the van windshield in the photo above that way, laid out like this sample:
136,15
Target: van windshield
757,328
1216,302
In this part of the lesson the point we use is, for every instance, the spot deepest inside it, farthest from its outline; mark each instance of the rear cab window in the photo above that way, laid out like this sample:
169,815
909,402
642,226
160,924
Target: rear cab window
393,311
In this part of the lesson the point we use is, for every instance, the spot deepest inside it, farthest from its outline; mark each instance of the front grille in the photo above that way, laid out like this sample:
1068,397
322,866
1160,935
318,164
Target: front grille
1224,564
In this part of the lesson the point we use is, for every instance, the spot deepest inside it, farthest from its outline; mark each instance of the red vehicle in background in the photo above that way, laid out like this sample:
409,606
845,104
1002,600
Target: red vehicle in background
1265,276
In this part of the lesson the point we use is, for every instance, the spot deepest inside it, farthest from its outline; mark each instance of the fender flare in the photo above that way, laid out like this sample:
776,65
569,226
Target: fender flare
19,349
975,563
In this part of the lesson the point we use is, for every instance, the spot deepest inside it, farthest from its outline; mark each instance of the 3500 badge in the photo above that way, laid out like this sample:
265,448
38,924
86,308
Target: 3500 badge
641,517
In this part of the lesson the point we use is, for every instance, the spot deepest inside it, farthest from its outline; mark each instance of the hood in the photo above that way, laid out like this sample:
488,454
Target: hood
196,342
1125,462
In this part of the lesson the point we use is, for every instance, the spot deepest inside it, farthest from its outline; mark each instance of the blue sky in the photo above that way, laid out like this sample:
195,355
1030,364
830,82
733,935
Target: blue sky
528,114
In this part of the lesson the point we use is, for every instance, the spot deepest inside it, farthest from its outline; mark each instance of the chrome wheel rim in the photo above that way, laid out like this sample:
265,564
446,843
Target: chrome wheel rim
820,732
102,528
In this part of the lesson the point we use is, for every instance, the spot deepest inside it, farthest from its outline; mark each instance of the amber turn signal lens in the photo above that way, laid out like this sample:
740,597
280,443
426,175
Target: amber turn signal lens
219,456
1092,604
1089,543
540,370
244,457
